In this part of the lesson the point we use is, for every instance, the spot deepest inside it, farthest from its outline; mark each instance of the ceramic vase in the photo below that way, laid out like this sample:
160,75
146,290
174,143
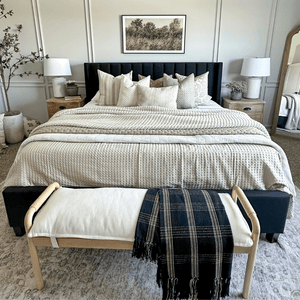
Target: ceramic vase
13,128
72,90
236,95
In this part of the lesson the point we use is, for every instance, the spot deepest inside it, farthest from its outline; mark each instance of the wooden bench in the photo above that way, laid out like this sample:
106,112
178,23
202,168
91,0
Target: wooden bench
245,240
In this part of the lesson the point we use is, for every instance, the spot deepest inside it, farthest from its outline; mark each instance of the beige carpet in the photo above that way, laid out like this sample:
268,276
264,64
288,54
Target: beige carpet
291,147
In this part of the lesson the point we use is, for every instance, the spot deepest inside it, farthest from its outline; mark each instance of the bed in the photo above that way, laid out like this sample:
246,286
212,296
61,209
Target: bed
147,147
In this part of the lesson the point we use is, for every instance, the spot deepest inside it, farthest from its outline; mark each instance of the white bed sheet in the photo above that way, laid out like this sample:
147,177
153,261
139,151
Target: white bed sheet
211,105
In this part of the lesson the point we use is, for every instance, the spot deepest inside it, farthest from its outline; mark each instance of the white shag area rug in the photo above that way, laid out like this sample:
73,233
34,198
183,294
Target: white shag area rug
112,274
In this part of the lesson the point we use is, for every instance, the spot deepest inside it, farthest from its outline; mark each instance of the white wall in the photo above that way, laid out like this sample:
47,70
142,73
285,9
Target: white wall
90,30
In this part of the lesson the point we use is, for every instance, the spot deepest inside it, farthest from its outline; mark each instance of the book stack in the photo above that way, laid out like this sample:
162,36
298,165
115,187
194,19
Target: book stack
77,97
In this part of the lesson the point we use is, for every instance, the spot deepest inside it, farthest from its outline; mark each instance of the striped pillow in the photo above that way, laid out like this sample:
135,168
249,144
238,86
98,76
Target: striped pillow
163,97
109,88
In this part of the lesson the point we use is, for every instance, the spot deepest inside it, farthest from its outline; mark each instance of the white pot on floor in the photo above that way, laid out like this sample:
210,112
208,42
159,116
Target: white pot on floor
13,128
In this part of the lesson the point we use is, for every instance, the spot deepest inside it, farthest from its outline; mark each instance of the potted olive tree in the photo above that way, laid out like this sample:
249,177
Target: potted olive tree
9,67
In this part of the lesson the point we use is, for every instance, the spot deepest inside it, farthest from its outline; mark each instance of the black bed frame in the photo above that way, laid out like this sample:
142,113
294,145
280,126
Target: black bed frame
271,206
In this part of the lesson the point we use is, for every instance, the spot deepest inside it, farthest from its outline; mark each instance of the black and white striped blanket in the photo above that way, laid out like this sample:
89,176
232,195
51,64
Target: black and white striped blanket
187,233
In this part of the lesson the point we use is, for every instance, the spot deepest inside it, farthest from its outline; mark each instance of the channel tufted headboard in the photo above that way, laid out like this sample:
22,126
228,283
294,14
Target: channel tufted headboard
156,70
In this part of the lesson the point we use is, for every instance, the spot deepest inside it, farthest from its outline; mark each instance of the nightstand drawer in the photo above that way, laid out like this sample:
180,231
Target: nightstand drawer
254,111
249,109
56,104
253,108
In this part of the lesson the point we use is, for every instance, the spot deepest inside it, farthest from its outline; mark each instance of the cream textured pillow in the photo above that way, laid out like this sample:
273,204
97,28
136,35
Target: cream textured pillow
156,83
109,87
186,90
201,88
128,92
29,125
164,96
2,135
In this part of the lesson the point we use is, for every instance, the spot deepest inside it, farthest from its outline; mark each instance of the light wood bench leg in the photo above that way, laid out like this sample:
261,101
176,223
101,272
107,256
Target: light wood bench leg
250,268
248,274
35,264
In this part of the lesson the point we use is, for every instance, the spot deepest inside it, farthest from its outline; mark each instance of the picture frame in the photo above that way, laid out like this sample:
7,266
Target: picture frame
153,34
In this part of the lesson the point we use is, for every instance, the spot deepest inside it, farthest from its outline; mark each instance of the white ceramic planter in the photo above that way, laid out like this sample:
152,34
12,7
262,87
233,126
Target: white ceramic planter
13,128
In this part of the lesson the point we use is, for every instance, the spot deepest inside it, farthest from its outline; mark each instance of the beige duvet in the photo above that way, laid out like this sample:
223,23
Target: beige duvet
148,147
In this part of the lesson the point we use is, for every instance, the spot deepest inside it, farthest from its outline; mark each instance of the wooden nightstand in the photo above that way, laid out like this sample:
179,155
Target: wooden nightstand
56,104
252,107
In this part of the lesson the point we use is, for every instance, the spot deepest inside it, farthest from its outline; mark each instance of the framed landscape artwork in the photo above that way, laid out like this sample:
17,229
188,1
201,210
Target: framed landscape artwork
153,33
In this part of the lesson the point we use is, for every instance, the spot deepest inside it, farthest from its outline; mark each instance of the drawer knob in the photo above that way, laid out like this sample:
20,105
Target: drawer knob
247,108
62,107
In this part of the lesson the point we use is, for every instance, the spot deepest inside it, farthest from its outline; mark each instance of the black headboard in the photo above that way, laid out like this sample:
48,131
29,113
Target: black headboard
156,70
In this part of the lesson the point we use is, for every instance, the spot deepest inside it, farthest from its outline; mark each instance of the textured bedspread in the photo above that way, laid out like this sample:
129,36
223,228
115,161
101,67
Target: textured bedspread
150,148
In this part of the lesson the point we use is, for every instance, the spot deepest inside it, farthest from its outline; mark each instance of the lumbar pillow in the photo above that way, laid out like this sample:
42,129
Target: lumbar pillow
109,87
128,92
156,83
2,135
186,90
201,88
164,96
29,125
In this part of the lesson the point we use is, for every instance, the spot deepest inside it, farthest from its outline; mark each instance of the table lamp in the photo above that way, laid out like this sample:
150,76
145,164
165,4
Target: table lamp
255,68
57,67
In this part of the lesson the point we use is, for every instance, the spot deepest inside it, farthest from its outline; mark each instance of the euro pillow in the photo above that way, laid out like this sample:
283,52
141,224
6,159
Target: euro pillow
128,92
201,88
186,90
109,88
156,83
163,96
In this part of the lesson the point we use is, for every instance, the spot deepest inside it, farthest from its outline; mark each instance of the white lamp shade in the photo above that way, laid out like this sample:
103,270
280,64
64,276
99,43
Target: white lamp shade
57,67
257,67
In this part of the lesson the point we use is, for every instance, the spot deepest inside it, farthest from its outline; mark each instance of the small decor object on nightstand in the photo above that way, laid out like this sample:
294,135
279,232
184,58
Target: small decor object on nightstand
71,88
77,97
237,88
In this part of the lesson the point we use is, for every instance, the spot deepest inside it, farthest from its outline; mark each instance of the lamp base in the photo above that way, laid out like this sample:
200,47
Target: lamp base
59,89
253,88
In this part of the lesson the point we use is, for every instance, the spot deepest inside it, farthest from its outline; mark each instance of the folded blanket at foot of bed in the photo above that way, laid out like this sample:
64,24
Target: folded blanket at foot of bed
188,234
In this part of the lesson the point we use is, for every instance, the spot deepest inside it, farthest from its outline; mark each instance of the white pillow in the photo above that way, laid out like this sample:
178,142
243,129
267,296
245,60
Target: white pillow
156,83
201,88
164,96
206,101
96,97
186,90
109,87
128,92
2,135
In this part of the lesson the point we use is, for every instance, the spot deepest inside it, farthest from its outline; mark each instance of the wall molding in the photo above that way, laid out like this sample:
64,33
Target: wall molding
217,31
89,31
271,33
39,36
